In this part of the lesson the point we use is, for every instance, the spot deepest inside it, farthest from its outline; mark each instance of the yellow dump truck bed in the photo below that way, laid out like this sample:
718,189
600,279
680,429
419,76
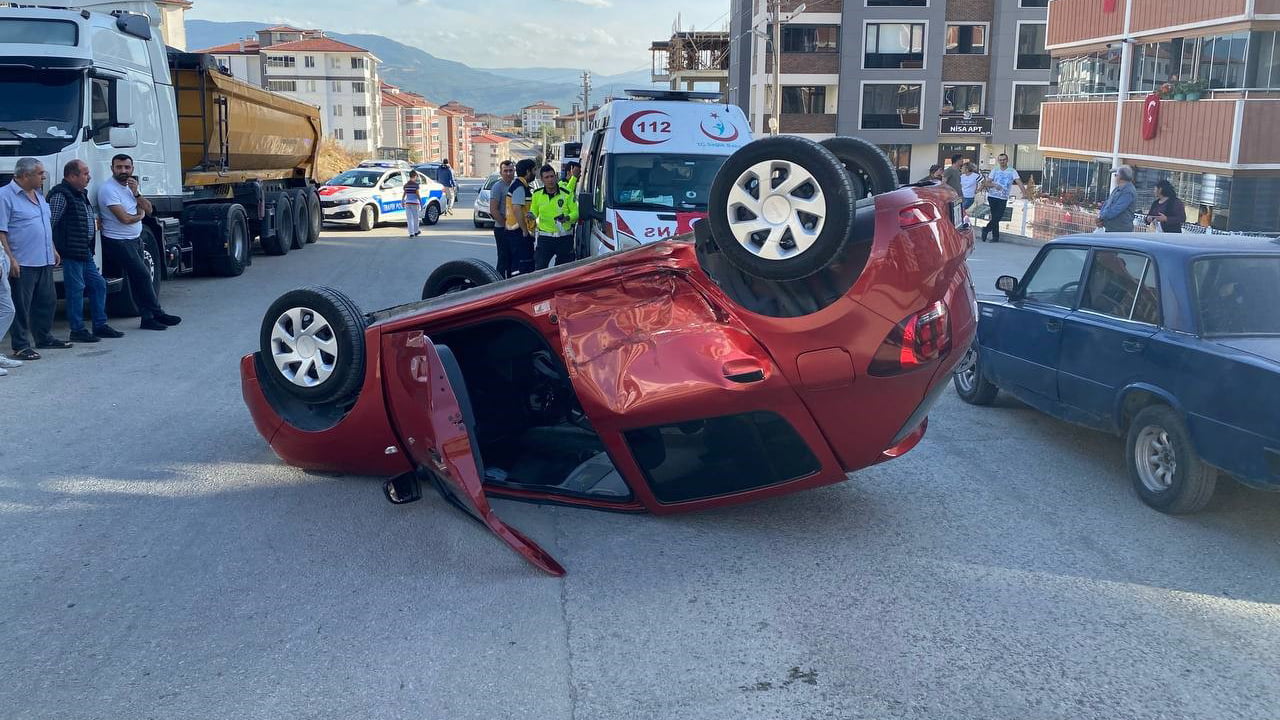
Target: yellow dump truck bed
233,131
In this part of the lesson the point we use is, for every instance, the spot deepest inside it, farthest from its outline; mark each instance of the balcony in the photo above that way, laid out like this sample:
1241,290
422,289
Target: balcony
1079,21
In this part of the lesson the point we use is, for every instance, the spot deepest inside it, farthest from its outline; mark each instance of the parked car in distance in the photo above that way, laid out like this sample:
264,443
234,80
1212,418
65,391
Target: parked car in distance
482,216
428,170
368,196
1170,341
801,333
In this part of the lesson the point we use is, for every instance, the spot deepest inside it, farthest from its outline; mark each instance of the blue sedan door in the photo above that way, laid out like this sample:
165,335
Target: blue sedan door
1021,352
1105,344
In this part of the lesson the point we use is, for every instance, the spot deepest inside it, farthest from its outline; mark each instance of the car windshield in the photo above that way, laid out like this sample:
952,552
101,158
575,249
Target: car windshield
40,109
493,180
662,182
1238,295
427,170
357,178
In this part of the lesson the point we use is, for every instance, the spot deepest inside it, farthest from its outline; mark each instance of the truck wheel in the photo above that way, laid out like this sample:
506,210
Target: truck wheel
313,346
315,216
1163,464
970,384
431,215
233,234
281,241
458,275
367,218
869,168
121,304
781,208
301,218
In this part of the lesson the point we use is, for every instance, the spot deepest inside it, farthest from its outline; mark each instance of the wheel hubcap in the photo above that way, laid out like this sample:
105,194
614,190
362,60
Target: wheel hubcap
776,209
1157,462
304,347
967,372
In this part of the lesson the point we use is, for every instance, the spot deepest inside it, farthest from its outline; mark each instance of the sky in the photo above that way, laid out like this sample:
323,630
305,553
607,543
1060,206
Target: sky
604,36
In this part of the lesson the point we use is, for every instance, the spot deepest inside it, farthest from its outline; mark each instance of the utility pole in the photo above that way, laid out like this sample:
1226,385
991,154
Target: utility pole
577,123
775,122
586,95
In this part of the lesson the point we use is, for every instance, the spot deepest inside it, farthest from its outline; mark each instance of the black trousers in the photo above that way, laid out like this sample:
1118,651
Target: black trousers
503,243
34,301
127,254
521,248
560,248
997,214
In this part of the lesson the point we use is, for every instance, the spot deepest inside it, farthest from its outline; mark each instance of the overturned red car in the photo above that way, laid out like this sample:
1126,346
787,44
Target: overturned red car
802,332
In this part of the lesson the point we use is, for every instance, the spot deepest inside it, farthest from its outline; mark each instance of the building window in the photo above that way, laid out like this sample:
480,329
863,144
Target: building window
357,86
894,106
357,63
1238,61
282,85
900,157
281,61
801,39
335,62
309,61
1027,98
359,111
310,86
360,135
337,111
337,134
1033,3
1093,74
895,45
1031,52
808,99
966,40
962,99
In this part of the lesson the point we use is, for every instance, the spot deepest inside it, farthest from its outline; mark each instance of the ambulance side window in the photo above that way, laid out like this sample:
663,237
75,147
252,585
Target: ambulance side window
597,190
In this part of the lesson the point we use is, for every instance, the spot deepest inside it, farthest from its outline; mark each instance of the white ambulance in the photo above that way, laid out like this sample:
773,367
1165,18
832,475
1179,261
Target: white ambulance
647,164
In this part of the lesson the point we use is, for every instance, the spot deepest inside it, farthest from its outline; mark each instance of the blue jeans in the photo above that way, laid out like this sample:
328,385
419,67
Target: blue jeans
77,276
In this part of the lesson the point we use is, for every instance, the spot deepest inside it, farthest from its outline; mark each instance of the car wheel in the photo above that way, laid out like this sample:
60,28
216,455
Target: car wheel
1163,464
301,218
869,168
970,384
781,208
312,343
315,216
479,225
281,242
431,215
367,220
458,275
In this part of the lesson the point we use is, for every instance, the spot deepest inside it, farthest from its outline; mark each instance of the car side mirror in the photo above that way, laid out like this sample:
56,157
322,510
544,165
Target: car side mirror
1007,284
123,137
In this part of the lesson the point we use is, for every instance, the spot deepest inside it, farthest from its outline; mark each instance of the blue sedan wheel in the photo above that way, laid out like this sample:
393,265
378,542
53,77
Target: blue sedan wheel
970,384
1166,472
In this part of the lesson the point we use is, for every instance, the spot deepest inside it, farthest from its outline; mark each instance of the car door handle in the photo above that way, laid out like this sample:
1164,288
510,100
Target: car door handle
1133,346
1053,325
743,371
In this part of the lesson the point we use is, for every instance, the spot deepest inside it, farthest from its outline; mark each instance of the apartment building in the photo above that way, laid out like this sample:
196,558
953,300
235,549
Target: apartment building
924,79
339,78
406,123
488,151
537,116
1187,92
455,128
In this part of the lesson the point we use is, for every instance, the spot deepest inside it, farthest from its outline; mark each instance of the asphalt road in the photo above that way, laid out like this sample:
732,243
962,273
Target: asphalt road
159,562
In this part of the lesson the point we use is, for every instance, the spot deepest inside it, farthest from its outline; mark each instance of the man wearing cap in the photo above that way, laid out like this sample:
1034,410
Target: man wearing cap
1116,214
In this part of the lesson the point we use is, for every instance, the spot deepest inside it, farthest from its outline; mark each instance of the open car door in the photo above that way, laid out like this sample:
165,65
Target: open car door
432,415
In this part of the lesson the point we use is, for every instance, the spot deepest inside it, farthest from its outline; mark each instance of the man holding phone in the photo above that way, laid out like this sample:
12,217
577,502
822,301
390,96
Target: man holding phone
122,208
555,213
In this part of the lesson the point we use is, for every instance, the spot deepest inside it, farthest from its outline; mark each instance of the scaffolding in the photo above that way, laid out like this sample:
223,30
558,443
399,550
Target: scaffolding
690,58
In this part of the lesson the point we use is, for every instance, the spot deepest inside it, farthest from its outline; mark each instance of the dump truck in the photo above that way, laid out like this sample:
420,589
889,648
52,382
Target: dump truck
224,162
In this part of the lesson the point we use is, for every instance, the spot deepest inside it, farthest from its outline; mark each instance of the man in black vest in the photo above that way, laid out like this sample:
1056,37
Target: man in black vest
74,223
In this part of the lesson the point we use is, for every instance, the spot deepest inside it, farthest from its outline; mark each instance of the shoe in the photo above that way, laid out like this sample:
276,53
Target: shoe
54,344
9,362
84,336
106,331
167,319
3,372
27,354
153,324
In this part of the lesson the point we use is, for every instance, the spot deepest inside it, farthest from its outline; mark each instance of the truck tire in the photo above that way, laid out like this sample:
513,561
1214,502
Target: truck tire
313,346
781,208
280,242
121,304
431,213
368,218
869,168
315,216
459,275
233,235
301,218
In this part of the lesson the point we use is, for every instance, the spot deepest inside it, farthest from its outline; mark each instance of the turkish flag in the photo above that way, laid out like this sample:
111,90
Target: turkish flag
1151,117
1108,5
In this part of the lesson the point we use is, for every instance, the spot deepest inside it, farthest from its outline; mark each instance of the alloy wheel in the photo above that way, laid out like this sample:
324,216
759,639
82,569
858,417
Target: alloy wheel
304,347
1156,459
776,209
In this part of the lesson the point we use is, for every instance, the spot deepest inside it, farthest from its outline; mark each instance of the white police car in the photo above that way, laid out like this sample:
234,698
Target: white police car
366,196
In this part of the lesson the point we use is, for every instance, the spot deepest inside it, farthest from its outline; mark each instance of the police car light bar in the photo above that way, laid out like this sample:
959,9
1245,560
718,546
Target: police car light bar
657,94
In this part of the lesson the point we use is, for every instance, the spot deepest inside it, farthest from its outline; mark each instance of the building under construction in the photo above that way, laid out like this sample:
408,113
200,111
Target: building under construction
690,58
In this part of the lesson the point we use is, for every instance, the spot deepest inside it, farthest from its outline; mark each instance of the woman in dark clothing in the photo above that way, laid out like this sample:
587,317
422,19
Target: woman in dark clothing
1167,209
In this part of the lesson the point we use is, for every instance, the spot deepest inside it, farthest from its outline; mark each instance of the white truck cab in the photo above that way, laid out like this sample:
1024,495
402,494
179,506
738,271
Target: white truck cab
648,162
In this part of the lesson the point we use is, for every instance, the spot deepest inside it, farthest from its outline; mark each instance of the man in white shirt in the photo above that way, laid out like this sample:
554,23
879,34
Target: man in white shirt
122,209
998,186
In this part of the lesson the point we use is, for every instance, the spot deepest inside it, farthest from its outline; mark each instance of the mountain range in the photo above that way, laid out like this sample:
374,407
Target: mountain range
496,90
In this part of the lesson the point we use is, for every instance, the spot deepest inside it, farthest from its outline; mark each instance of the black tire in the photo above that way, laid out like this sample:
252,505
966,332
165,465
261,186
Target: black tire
121,304
342,323
315,216
479,225
281,241
431,213
1191,483
869,168
971,385
368,218
233,237
459,275
301,218
772,253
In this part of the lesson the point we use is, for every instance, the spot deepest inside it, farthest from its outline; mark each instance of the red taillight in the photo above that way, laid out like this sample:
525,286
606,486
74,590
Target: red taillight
917,215
916,341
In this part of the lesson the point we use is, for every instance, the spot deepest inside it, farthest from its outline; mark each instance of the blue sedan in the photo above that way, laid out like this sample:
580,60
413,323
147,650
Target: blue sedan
1170,341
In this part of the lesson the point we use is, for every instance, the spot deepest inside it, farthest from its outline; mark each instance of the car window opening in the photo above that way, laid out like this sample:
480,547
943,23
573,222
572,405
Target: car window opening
662,182
530,429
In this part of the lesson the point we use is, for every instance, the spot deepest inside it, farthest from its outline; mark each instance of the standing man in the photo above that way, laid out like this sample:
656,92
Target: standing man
445,177
1116,214
8,264
519,226
952,174
555,215
74,225
998,186
122,209
498,198
27,234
